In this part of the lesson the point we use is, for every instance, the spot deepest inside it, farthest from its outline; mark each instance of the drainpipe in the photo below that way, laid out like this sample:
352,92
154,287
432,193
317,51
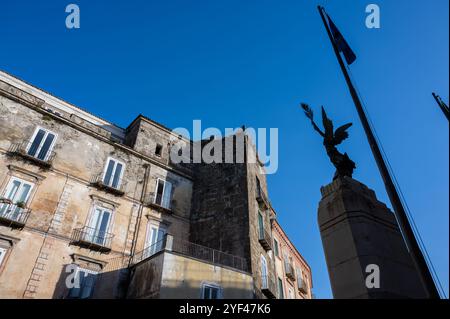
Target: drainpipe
141,209
138,223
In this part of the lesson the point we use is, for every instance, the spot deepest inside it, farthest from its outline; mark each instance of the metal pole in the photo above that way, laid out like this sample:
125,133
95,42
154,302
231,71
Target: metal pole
442,105
402,219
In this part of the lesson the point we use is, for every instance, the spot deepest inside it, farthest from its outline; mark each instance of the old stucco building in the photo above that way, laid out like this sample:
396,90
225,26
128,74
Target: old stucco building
92,210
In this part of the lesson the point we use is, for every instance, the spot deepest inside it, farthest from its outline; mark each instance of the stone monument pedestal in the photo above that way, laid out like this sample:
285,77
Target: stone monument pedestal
359,231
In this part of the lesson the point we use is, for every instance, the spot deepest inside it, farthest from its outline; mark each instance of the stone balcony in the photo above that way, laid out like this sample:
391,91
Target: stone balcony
42,160
92,239
150,201
115,189
290,274
262,199
13,215
302,286
265,239
268,287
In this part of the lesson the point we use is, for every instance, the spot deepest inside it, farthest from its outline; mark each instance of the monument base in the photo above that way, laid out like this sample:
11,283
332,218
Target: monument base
365,253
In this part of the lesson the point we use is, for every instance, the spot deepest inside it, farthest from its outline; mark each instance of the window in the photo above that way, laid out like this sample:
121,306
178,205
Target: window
275,248
286,262
210,291
17,192
291,293
155,240
264,273
113,173
158,150
163,193
299,275
261,225
86,279
280,289
258,187
99,225
41,144
2,255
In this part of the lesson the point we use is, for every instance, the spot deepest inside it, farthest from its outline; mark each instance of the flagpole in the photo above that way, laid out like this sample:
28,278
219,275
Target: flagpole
402,219
442,105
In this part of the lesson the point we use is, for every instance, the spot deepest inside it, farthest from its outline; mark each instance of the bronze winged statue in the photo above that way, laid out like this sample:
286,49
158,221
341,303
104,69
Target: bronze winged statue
344,165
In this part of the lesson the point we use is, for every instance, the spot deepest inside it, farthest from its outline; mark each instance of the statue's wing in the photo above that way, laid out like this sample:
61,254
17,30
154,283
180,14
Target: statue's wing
308,112
341,134
327,124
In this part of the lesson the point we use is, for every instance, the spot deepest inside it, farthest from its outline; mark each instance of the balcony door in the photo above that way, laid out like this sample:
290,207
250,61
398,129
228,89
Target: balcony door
261,225
41,144
99,225
163,193
113,173
155,240
264,273
17,193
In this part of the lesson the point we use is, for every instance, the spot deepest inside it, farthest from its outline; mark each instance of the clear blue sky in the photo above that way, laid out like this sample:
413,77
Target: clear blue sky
252,62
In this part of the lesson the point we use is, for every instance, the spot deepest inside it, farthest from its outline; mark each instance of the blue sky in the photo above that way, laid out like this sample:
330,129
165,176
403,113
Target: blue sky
252,62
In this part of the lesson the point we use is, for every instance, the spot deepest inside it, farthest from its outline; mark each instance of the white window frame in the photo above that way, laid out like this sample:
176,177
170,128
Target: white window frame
212,286
264,263
3,251
9,185
114,171
14,178
150,227
158,180
92,214
50,149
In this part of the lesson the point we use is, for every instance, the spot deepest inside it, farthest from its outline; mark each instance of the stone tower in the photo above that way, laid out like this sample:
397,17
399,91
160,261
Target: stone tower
357,231
227,200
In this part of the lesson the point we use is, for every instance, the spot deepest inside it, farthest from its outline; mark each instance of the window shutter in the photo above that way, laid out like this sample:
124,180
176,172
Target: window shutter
167,195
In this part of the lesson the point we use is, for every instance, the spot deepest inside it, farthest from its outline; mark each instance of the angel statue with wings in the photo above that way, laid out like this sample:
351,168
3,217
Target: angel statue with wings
344,165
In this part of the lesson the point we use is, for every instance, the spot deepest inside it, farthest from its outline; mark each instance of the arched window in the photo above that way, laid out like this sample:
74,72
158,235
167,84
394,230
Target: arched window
264,273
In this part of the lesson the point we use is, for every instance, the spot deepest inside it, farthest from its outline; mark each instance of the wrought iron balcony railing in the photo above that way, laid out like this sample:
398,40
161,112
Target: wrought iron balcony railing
268,287
208,254
289,271
41,158
151,202
114,186
192,250
302,285
13,215
265,239
92,238
262,199
149,251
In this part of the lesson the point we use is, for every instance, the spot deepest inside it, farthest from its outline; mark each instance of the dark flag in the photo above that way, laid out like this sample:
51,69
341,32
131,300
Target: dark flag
341,44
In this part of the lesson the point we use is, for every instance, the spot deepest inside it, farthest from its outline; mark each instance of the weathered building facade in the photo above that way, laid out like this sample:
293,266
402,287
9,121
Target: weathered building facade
293,273
91,210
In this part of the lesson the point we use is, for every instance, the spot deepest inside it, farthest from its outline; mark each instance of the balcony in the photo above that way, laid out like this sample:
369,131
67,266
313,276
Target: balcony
92,238
114,187
268,287
265,239
44,160
302,286
192,250
262,199
13,215
289,271
151,202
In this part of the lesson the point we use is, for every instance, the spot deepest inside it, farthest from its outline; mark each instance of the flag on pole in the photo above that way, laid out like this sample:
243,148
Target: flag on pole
341,44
